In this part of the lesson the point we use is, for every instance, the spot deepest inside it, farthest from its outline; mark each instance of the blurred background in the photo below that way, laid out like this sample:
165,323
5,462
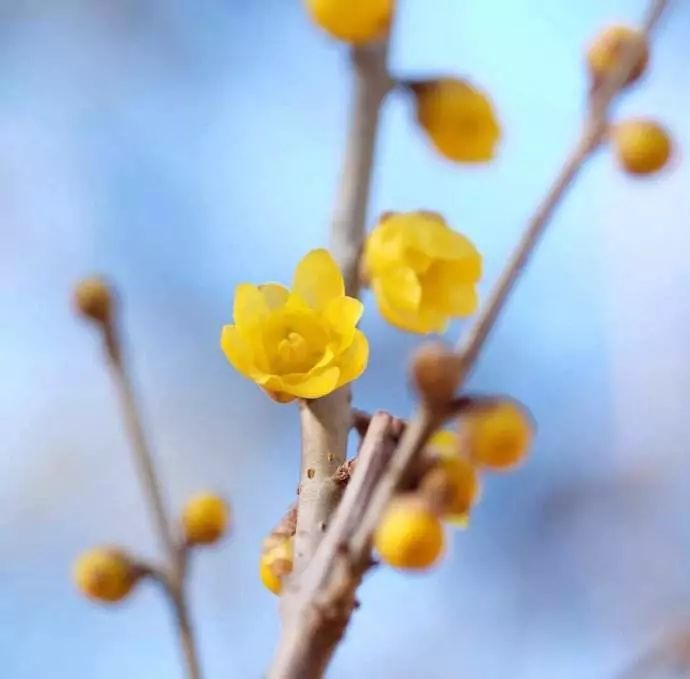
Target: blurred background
183,147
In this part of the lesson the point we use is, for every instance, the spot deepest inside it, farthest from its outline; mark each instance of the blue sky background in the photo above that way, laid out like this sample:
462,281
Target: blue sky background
183,147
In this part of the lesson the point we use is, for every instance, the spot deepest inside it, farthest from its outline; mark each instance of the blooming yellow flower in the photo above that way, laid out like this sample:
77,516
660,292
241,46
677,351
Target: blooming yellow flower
422,272
458,118
301,343
355,21
642,146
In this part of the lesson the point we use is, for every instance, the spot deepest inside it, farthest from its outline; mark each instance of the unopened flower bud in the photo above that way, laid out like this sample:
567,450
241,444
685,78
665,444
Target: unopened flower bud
93,299
105,574
436,373
605,52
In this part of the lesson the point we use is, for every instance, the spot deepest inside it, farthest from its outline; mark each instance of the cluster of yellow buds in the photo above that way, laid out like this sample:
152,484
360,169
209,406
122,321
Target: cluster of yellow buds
495,435
109,574
642,146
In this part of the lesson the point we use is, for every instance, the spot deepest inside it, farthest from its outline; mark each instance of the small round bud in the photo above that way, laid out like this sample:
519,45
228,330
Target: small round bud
436,373
204,519
93,299
458,118
410,535
604,54
276,562
642,146
497,436
355,21
105,574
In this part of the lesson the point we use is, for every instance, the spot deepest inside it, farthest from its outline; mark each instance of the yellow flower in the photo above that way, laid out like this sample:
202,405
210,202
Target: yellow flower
104,574
204,519
355,21
604,54
409,535
458,476
301,343
497,436
458,118
643,146
276,562
422,272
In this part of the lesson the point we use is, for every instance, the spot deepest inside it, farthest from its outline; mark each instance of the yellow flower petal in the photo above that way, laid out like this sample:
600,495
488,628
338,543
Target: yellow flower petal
449,287
354,361
400,286
460,521
250,305
275,295
342,315
318,279
421,321
445,443
311,385
237,351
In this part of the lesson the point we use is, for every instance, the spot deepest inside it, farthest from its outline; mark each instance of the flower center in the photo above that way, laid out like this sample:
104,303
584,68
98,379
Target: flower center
293,349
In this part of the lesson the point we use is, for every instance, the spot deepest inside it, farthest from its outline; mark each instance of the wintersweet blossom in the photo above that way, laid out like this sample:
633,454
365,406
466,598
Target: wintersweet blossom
298,343
422,272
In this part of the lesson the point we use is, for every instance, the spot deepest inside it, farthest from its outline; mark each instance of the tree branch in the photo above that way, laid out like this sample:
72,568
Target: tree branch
323,604
173,576
325,422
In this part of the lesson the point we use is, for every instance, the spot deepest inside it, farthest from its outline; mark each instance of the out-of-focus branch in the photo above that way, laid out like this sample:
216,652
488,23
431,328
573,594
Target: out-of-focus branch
322,605
325,422
592,135
172,577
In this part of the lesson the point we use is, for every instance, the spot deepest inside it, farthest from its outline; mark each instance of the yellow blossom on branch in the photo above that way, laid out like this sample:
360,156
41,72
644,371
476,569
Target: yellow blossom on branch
422,272
354,21
299,343
459,475
458,118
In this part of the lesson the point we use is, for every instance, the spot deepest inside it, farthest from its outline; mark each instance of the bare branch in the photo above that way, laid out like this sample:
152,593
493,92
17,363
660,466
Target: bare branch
320,607
326,421
173,576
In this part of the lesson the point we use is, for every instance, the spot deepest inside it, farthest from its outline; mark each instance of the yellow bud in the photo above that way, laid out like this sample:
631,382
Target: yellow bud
410,535
355,21
458,118
276,562
497,436
204,519
104,574
453,485
642,146
436,373
604,54
93,299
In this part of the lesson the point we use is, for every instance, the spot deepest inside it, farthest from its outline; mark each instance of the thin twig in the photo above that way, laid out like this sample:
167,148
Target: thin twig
173,576
325,422
590,138
322,606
